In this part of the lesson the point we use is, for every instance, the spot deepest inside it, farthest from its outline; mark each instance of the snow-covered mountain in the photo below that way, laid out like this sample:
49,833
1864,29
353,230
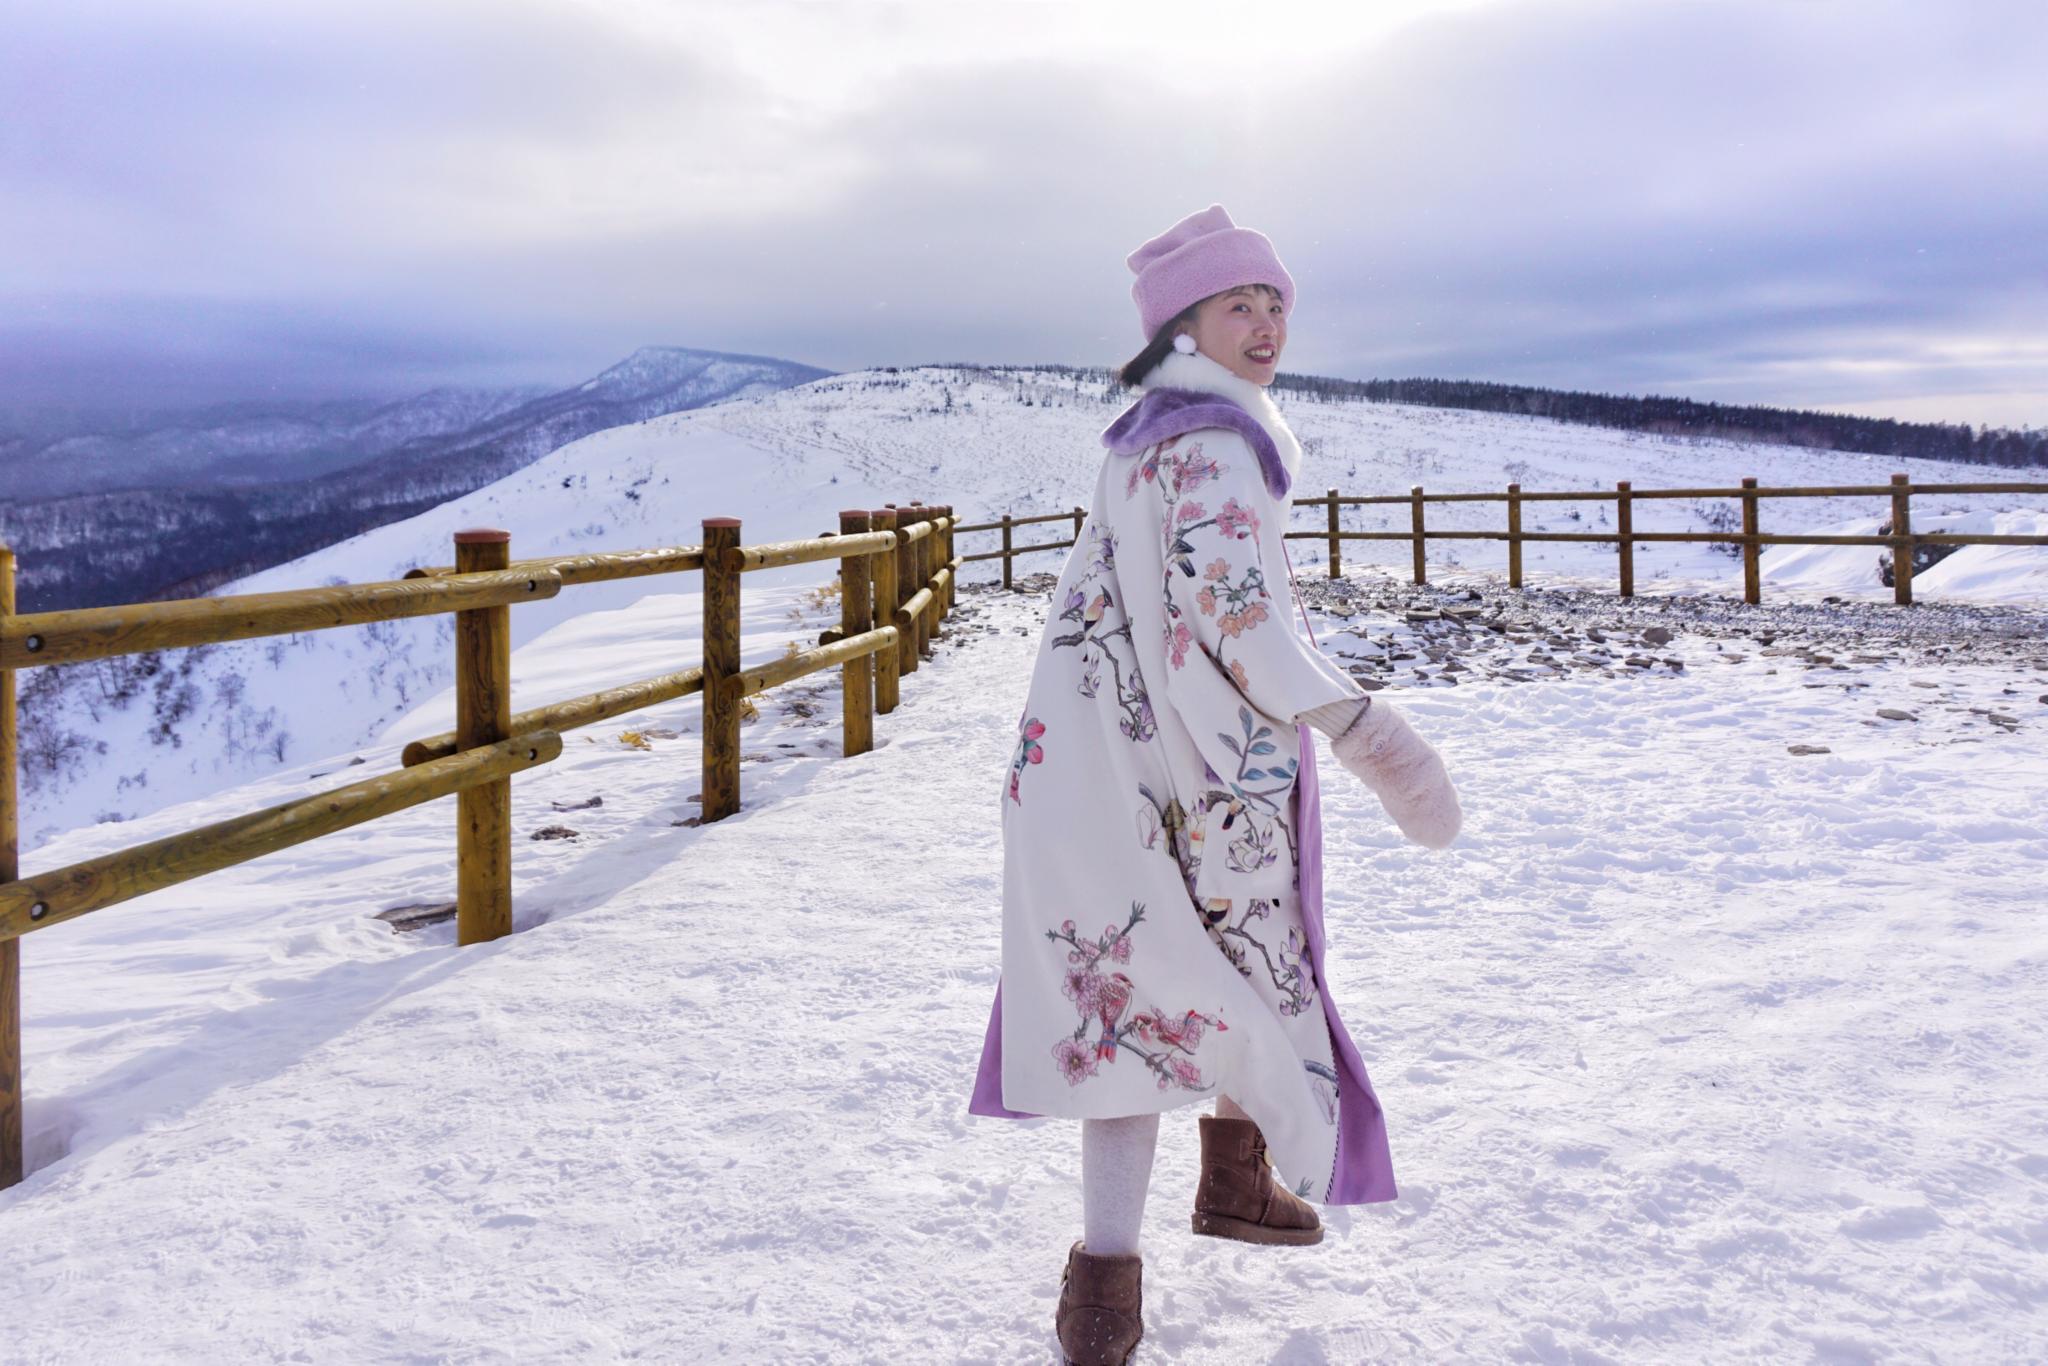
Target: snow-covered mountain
180,508
119,738
235,443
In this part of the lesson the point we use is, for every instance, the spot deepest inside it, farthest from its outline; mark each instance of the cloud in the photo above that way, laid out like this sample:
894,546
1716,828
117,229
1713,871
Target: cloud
1821,203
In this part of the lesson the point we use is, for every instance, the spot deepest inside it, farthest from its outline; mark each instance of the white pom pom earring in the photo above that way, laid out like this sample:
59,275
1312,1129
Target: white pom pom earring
1184,344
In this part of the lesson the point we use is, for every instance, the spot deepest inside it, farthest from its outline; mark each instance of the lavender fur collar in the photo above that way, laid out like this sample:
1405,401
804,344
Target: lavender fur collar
1186,393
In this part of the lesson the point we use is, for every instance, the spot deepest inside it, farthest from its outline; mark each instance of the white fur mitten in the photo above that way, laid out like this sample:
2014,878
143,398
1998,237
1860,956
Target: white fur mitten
1403,771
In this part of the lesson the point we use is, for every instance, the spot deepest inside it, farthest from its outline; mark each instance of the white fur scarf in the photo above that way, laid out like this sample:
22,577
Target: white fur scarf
1193,370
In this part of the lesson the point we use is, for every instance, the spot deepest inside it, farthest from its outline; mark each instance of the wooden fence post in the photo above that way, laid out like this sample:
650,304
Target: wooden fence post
13,1161
483,716
921,574
1624,523
1752,574
1079,514
1415,495
856,615
942,551
906,585
721,751
946,559
931,547
1902,541
952,553
1006,550
914,576
1514,535
940,512
889,662
927,562
1336,555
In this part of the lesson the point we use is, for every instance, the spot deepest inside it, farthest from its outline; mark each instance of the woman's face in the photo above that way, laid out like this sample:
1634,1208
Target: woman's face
1243,330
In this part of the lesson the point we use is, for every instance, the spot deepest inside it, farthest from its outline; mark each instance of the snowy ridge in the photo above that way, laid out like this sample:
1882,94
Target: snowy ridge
247,442
985,440
1743,1067
247,488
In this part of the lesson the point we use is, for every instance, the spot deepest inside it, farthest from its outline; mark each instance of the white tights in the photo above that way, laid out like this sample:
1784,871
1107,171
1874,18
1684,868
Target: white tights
1116,1172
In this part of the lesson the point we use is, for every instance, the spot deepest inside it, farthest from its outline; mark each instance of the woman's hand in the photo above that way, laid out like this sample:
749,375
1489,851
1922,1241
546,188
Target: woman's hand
1403,771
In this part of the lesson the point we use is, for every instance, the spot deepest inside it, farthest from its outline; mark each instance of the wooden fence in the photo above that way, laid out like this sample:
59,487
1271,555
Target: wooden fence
896,576
1900,491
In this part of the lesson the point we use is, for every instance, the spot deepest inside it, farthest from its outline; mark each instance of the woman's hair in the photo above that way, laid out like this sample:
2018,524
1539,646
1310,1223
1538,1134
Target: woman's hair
1138,366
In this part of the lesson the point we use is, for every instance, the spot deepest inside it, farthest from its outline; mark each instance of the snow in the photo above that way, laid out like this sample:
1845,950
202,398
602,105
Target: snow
1974,573
1011,440
1692,1049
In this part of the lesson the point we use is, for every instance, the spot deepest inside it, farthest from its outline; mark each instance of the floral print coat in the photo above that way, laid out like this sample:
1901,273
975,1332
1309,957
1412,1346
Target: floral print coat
1162,917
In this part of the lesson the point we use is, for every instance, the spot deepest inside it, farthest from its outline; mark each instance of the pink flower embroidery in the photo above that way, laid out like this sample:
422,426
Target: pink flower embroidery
1237,520
1237,672
1100,999
1083,987
1190,512
1179,642
1206,600
1218,570
1076,1060
1238,622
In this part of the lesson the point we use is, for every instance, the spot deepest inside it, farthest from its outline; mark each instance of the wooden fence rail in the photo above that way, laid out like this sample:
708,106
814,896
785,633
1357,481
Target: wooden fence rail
1902,539
896,571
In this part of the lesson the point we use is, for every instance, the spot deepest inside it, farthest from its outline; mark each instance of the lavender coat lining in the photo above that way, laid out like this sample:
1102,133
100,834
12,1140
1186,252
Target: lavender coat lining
1164,413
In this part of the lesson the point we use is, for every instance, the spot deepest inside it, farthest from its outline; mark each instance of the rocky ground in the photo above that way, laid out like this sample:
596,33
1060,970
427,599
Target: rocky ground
1469,627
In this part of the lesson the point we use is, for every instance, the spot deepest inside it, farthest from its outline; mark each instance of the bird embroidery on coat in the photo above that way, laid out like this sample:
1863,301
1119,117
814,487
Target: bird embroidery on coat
1111,998
1167,1043
1286,967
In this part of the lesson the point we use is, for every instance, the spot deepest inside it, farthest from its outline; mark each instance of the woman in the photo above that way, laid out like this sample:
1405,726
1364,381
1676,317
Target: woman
1162,898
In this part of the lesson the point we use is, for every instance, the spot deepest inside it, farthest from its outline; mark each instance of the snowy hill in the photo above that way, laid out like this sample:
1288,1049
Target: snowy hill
235,443
128,737
1744,1067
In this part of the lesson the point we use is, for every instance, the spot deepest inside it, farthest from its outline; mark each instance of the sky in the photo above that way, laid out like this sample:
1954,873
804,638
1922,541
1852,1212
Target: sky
1800,203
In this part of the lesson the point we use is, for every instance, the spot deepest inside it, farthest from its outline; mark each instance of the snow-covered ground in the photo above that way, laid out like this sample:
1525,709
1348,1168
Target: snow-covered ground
1693,1048
1972,573
130,738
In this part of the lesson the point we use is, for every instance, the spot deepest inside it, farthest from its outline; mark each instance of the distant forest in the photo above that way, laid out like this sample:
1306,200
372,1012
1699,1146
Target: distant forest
1671,416
1685,417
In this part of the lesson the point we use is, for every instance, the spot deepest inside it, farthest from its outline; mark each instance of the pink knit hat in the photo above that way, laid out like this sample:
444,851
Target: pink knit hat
1203,254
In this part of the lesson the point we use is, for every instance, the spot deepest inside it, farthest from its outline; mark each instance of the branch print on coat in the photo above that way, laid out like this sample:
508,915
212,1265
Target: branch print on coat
1091,605
1286,970
1215,617
1101,995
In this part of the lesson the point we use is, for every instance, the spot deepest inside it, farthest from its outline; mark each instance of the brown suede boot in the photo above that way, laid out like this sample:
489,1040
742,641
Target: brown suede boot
1238,1198
1100,1316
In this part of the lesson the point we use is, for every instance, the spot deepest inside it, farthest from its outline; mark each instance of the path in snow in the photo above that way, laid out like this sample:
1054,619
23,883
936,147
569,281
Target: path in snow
1692,1049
